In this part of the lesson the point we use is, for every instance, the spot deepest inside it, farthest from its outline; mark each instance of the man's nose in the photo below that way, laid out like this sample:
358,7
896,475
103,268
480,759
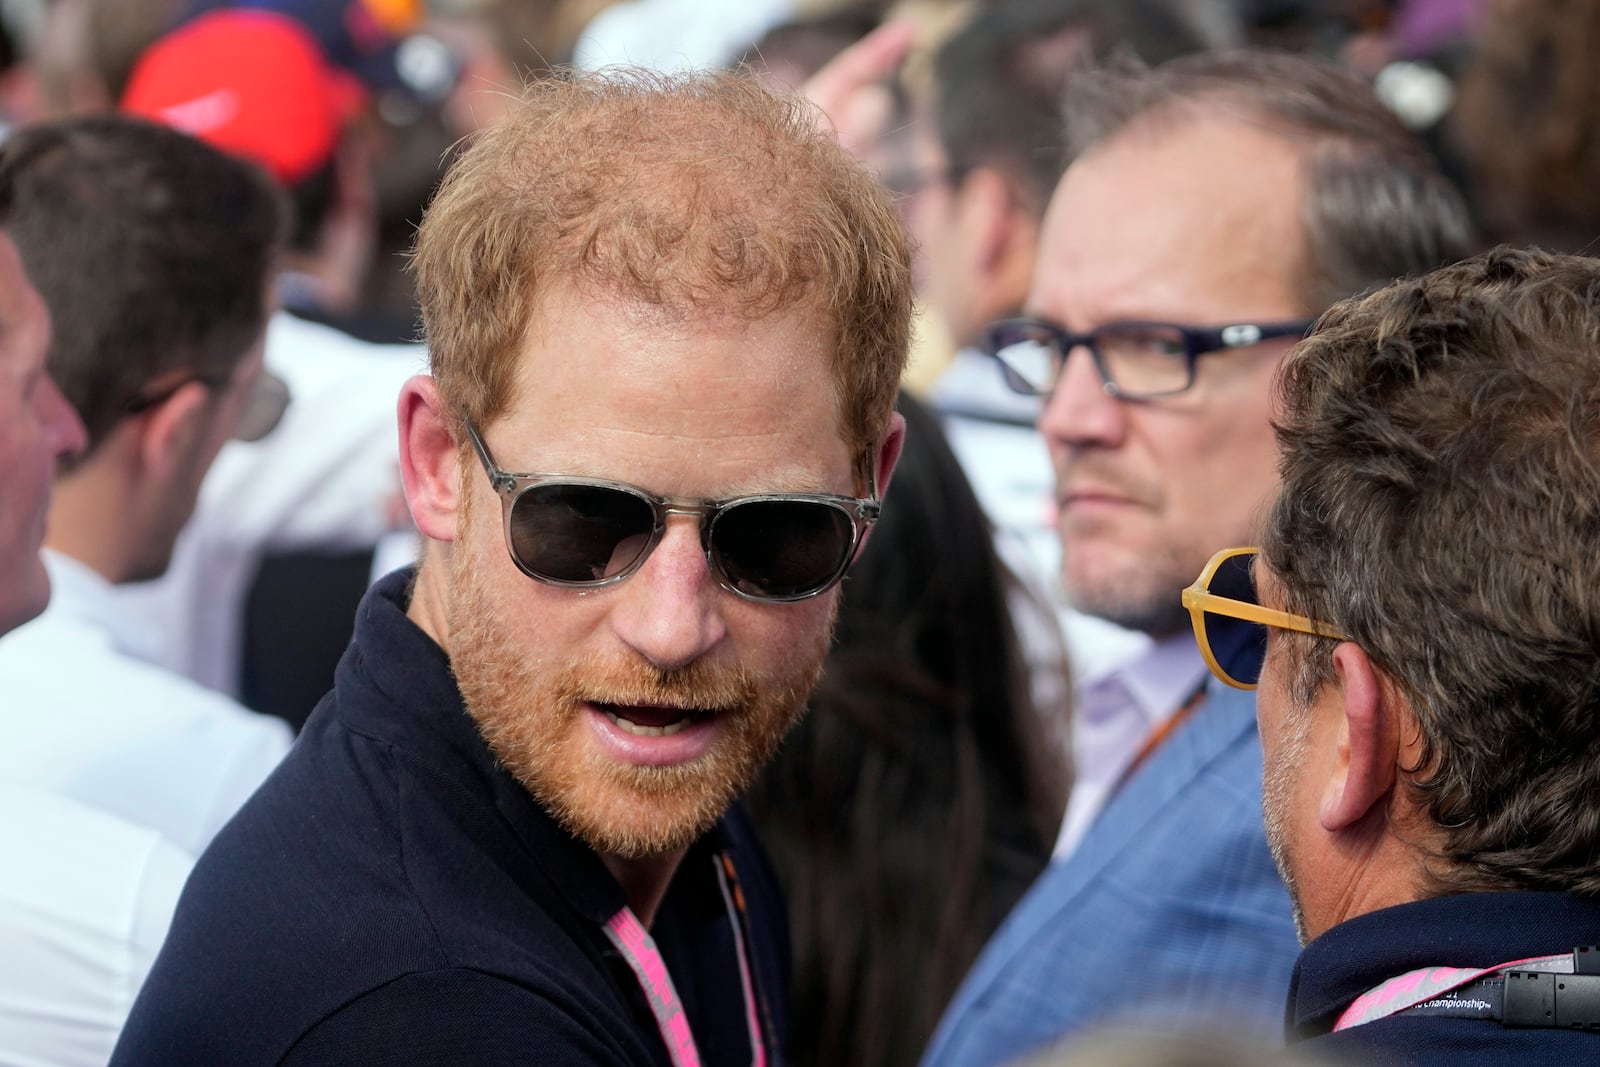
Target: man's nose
671,608
1079,412
65,430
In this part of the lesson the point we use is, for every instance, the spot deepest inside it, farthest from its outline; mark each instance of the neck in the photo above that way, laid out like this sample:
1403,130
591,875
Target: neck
644,881
1373,866
428,594
94,520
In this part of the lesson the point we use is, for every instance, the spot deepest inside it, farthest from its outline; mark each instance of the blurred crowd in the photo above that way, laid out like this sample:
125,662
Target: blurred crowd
1019,809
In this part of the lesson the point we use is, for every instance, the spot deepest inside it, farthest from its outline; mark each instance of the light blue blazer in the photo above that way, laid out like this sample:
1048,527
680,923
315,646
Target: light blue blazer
1169,911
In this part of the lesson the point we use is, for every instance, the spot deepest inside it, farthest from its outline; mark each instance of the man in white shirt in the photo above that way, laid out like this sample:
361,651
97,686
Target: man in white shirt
326,480
85,898
155,253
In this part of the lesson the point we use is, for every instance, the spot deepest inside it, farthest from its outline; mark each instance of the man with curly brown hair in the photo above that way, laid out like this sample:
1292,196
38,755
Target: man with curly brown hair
1428,594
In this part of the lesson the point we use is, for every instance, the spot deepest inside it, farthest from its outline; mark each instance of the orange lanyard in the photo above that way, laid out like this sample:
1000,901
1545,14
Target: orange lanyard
1158,737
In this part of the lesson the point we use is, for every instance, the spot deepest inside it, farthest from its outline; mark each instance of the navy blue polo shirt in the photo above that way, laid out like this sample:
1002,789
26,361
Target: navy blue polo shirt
1477,930
391,895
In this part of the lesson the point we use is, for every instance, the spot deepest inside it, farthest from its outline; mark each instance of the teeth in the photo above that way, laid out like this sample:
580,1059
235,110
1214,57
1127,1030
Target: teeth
647,731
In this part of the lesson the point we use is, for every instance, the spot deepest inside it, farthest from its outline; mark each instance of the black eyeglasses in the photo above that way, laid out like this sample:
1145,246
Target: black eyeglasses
263,409
1136,360
586,532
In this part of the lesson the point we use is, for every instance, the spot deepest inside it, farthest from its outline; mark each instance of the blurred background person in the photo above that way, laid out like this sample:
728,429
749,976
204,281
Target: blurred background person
670,35
325,482
85,897
913,805
80,52
792,51
213,77
155,254
18,90
1526,123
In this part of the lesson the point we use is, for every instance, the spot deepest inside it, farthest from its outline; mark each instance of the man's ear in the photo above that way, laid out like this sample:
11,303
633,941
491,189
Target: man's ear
999,238
168,431
883,463
984,199
429,460
1367,754
889,452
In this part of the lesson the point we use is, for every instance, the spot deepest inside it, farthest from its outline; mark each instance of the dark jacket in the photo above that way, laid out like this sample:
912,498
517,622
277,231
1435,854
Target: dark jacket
391,896
1477,930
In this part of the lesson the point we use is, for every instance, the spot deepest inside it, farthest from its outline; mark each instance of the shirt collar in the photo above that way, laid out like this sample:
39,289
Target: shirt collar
1462,930
82,594
1164,676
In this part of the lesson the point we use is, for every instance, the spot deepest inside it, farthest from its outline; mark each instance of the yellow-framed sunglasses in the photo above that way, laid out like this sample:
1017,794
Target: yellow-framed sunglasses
1230,626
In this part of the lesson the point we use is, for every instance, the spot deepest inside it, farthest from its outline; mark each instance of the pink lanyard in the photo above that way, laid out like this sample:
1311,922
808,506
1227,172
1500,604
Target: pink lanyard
636,945
1422,985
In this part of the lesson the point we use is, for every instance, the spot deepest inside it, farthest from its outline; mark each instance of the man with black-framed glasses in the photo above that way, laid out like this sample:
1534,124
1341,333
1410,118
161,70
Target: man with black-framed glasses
1214,206
666,320
1422,615
972,162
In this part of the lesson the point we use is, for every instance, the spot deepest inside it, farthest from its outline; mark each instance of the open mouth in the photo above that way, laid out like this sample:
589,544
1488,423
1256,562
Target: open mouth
646,721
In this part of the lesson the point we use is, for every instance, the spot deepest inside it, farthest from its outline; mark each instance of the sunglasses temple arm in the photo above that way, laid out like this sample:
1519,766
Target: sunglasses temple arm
496,477
869,471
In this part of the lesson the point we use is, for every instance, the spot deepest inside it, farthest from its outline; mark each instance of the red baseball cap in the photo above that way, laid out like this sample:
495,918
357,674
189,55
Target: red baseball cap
379,41
254,83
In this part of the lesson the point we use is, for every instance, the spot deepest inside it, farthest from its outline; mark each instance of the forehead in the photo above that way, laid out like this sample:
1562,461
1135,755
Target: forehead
1192,218
708,400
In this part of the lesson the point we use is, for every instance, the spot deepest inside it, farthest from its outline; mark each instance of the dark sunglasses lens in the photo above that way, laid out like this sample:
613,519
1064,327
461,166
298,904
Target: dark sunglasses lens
579,533
782,549
1239,646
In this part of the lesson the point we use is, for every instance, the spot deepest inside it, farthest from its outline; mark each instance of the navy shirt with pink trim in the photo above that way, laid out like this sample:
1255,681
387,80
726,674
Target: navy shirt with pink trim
1468,930
391,896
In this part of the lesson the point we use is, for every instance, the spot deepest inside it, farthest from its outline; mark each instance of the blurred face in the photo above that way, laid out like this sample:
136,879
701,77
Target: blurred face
1191,222
635,712
913,166
929,210
37,429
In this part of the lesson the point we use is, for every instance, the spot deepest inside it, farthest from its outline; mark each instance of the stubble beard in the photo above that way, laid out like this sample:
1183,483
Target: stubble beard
1144,595
532,715
1139,588
1277,805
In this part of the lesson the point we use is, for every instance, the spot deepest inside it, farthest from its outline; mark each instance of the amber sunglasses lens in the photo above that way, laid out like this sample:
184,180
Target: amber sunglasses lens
1238,646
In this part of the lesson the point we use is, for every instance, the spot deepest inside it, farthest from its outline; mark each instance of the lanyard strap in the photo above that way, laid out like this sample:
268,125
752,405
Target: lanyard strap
1417,987
630,937
733,900
638,948
1158,737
